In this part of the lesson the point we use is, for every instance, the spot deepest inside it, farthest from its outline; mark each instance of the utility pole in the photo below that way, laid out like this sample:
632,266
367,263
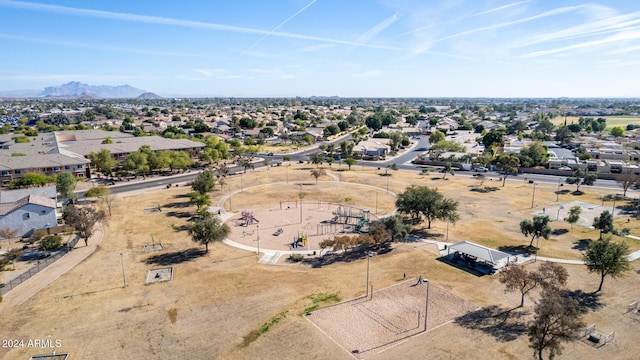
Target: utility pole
124,277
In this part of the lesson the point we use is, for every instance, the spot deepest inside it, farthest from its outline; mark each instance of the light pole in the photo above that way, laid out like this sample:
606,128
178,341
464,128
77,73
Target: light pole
537,245
300,203
558,214
533,195
258,233
602,198
613,208
367,284
287,174
229,188
241,187
387,184
558,191
124,277
426,305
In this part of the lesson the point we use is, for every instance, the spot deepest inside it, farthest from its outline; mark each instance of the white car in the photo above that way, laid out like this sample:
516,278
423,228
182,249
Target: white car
481,169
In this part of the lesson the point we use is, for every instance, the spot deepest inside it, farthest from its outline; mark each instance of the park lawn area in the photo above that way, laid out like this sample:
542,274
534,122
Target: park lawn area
218,301
612,121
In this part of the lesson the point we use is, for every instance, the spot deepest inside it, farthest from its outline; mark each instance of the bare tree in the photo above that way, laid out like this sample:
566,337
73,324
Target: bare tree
627,180
83,219
8,233
316,173
517,278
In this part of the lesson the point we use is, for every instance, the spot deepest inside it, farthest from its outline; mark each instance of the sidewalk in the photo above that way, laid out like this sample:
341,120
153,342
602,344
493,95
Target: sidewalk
32,286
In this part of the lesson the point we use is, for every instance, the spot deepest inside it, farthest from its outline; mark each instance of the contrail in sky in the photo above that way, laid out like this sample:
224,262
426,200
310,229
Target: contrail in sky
279,25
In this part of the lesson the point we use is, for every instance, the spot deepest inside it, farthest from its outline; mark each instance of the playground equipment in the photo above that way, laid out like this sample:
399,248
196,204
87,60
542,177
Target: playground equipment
278,232
348,217
247,218
299,241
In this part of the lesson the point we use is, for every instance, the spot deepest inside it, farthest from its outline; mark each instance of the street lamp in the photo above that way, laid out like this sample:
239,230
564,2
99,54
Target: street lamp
613,208
426,305
537,245
387,184
558,215
241,187
369,255
558,192
602,198
300,203
258,233
533,195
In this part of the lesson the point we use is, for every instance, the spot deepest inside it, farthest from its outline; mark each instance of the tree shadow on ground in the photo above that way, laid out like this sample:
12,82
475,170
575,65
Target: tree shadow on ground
562,192
177,205
179,214
581,244
586,301
179,196
425,233
559,231
176,257
485,189
518,249
577,193
503,324
348,256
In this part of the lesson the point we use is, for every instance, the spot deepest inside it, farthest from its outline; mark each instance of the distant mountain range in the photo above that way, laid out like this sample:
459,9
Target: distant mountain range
75,89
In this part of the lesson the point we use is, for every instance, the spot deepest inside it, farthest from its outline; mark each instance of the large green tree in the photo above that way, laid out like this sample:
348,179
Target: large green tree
603,222
137,161
103,161
581,177
65,185
317,158
508,163
535,154
204,183
536,228
574,215
422,201
209,230
607,258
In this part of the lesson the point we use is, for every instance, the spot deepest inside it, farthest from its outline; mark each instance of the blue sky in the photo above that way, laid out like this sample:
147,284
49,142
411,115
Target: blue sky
353,48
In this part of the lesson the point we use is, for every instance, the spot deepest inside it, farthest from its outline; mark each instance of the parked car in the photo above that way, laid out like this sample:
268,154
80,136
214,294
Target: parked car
481,169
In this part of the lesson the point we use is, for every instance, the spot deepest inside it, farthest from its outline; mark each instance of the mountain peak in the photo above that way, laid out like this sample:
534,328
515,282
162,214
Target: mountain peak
76,88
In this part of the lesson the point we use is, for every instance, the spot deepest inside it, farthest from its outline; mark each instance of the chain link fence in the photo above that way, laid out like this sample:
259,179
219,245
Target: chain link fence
39,266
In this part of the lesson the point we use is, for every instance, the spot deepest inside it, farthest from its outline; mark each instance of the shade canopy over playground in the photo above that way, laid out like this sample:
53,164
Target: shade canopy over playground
482,253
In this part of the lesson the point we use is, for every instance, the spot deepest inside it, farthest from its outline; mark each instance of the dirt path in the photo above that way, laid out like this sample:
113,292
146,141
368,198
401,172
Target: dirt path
33,285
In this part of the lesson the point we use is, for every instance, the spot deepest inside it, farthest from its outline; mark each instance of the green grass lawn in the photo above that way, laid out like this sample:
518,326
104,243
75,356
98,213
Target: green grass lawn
611,120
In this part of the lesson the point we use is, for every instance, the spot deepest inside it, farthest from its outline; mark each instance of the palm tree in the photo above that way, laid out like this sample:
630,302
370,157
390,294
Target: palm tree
209,230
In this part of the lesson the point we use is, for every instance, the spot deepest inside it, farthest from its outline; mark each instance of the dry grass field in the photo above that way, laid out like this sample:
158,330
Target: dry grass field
224,305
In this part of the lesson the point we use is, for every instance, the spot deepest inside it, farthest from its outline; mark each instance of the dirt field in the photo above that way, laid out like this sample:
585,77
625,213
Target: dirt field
218,302
369,325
